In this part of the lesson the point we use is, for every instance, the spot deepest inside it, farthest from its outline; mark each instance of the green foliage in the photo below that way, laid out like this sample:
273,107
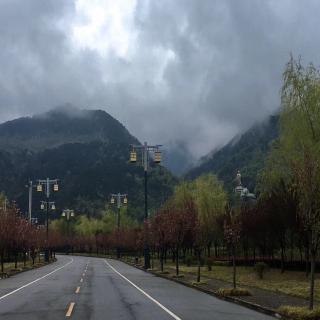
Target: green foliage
260,268
299,313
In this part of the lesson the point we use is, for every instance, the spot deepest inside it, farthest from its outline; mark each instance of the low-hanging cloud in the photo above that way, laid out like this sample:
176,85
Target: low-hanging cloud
195,72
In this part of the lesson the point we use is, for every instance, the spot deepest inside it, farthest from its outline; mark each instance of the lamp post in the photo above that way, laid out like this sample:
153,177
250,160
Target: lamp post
47,183
30,187
145,148
68,214
117,197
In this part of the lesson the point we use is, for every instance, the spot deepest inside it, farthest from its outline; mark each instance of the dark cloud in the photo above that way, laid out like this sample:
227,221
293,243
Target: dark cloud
198,72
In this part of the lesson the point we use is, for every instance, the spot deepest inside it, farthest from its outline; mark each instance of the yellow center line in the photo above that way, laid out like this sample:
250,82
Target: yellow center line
70,309
78,290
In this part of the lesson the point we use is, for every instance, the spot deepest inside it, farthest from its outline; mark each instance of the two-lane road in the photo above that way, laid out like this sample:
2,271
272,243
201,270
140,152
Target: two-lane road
93,288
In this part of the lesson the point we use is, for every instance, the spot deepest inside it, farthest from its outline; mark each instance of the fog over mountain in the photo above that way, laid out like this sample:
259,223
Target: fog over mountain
182,73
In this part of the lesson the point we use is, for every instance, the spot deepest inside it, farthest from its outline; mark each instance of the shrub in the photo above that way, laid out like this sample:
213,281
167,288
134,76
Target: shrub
299,313
221,263
260,268
189,261
233,292
209,263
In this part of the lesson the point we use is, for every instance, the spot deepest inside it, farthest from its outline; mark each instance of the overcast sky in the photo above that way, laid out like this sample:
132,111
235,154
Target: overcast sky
196,72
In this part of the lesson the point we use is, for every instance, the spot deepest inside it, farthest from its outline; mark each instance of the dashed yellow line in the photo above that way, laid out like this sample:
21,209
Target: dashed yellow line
70,309
78,290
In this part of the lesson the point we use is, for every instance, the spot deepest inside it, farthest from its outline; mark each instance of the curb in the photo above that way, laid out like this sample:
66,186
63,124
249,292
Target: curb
249,305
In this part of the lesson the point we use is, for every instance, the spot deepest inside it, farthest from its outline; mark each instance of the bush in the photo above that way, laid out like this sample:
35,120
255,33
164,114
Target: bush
233,292
299,313
221,263
189,261
260,268
209,263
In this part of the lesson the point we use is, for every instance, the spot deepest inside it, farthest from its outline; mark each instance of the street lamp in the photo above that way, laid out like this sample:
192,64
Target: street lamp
68,214
46,184
118,197
145,149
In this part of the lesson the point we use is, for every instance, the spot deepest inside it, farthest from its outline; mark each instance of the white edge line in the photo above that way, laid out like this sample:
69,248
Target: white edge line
34,281
143,292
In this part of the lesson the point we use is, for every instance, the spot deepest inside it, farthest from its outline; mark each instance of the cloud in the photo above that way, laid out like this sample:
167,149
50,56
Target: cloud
194,72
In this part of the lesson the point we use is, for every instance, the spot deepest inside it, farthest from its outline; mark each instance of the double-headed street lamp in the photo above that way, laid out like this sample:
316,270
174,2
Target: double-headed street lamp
145,149
119,199
45,185
68,215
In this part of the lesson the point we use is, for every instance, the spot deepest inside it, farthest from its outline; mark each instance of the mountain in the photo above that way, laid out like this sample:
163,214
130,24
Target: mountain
177,157
246,152
87,150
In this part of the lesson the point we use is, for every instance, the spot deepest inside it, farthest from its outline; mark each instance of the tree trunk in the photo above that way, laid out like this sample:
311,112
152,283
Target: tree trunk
199,265
177,261
234,266
2,262
161,259
312,271
215,249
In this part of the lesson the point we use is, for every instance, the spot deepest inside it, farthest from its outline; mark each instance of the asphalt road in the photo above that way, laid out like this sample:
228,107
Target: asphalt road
93,288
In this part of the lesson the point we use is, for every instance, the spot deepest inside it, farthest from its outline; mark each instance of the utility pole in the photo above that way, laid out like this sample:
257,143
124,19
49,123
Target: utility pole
145,148
118,197
47,183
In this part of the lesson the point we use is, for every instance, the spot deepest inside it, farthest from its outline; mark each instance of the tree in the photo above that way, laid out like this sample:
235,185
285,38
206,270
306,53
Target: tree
297,151
232,232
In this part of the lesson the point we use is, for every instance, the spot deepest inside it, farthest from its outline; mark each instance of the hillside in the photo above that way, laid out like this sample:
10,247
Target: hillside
246,152
86,150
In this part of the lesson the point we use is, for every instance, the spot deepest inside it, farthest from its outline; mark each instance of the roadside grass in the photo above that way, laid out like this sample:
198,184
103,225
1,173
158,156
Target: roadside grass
293,283
9,267
299,313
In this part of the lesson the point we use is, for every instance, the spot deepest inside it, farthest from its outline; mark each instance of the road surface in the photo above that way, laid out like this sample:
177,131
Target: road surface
94,288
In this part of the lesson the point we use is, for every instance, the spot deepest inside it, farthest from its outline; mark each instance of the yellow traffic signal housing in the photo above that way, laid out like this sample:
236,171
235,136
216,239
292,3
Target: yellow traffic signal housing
157,156
125,200
112,200
39,188
55,187
133,156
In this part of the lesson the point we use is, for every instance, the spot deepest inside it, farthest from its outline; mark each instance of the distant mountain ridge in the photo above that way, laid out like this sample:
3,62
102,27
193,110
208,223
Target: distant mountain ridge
246,152
59,126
